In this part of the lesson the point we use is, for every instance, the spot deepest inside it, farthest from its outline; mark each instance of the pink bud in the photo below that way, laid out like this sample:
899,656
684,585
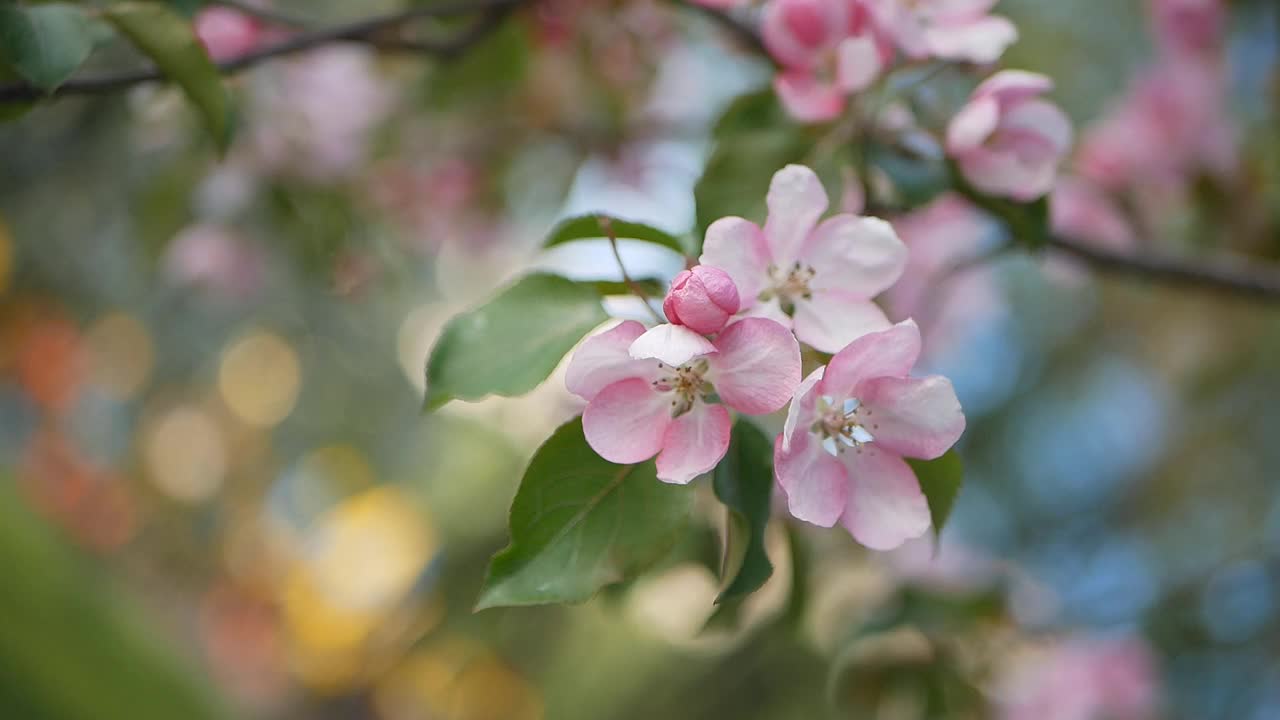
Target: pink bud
701,299
226,33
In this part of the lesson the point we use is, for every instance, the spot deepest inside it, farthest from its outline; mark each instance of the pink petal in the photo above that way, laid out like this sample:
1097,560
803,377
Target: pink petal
695,442
815,483
888,353
858,63
972,125
885,507
981,41
757,368
953,11
719,287
801,413
797,32
627,421
913,417
858,255
796,200
834,318
1042,118
737,246
1002,172
674,345
602,360
1009,87
806,98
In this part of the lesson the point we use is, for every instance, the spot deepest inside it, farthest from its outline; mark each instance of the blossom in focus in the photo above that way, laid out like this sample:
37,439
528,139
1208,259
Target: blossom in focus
840,455
946,29
817,277
639,407
1006,140
702,299
827,50
1105,678
226,33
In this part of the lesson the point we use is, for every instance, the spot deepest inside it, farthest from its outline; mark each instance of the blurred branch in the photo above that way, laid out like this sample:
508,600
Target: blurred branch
1228,273
375,31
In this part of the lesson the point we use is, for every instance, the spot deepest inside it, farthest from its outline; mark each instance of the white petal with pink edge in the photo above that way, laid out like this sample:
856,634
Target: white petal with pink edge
888,353
914,417
672,344
627,421
796,200
694,443
885,505
832,319
603,359
801,412
814,482
858,255
737,247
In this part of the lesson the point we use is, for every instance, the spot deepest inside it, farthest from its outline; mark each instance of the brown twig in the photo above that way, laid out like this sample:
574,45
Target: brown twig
366,31
607,226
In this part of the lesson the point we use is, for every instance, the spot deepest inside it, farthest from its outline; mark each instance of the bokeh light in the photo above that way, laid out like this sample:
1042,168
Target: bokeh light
259,378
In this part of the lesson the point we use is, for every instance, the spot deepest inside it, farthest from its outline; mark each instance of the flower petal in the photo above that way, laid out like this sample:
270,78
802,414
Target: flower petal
1043,119
885,506
858,255
796,200
887,353
757,368
972,125
1008,87
806,98
627,421
858,63
602,360
672,344
913,417
695,442
737,247
814,482
981,41
800,414
798,32
833,319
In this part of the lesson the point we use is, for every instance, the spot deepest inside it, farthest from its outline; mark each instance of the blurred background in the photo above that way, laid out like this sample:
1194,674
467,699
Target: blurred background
219,497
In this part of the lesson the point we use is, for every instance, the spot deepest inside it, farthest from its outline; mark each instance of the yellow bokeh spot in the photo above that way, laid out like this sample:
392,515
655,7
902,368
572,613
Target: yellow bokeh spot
455,679
343,468
185,454
259,378
120,354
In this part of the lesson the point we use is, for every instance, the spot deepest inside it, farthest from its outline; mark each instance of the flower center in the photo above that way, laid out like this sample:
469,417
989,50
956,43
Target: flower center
788,285
843,425
686,383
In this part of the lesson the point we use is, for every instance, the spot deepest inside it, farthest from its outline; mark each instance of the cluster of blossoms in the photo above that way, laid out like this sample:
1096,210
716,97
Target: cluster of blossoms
733,341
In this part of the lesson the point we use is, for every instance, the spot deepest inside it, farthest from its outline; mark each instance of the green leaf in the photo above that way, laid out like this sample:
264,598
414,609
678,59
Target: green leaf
940,481
46,43
1028,222
916,180
512,343
70,648
744,483
580,522
590,227
169,41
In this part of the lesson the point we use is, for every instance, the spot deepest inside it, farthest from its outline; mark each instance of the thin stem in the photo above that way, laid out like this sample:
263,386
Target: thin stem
606,225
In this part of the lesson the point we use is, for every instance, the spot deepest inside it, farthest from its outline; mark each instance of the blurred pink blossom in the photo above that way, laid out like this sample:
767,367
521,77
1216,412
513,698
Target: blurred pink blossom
1006,140
840,454
215,258
226,33
946,29
1189,27
1083,678
639,406
1082,211
817,277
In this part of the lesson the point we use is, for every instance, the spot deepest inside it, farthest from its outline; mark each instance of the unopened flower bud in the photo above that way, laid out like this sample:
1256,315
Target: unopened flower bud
702,299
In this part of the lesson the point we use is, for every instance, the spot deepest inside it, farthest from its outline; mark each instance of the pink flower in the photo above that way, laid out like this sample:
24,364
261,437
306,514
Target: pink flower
946,29
1189,27
1081,211
226,33
1006,140
1084,679
827,49
638,407
816,277
840,455
702,299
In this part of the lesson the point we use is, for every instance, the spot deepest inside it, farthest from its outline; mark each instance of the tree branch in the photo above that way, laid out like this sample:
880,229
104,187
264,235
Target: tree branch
1229,273
363,31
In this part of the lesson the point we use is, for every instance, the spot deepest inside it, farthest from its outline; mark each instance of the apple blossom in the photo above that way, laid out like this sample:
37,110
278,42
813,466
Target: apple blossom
701,298
1189,27
641,407
816,277
840,455
945,29
1083,679
827,49
226,33
1006,140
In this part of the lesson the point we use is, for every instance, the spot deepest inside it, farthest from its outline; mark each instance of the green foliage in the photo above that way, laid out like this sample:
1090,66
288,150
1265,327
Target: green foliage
69,650
940,480
916,179
744,483
591,227
580,522
512,343
169,41
44,44
1028,222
